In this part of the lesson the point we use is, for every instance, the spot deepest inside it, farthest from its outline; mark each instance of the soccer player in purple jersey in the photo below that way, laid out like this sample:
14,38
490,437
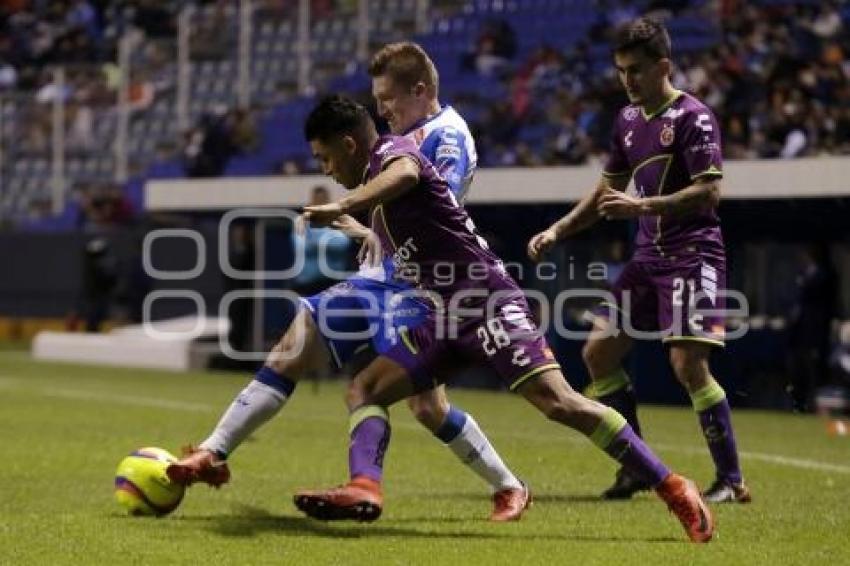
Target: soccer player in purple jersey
669,143
479,315
405,85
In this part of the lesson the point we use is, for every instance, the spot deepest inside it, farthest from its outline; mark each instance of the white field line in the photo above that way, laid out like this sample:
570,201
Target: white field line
7,382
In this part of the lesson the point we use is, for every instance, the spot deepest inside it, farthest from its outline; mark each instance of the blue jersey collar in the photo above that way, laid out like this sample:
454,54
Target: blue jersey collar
424,121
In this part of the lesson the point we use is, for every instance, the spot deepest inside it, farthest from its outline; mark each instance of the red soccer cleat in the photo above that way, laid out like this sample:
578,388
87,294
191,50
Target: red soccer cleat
508,504
358,500
199,465
684,500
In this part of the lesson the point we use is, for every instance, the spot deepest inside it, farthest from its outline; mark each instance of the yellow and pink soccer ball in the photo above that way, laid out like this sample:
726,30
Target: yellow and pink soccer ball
142,486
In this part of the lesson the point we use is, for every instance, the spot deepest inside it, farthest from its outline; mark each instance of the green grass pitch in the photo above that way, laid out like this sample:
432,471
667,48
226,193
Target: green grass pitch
64,428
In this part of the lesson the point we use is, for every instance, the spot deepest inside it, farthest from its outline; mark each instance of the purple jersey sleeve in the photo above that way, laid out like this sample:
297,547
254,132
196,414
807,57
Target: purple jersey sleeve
618,163
700,144
395,148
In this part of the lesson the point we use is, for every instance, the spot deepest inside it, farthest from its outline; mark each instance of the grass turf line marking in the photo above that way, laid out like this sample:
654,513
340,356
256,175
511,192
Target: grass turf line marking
8,382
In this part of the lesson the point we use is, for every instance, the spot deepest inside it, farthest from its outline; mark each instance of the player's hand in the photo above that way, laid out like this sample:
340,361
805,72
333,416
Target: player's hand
614,204
322,214
541,243
371,252
351,227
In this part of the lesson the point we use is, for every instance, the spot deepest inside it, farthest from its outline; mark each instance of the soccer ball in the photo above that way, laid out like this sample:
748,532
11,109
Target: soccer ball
142,486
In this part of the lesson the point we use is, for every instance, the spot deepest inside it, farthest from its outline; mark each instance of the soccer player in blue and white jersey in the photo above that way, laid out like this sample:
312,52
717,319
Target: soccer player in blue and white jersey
669,143
405,86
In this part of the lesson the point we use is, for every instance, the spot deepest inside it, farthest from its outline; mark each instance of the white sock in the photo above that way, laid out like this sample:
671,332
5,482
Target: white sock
474,450
252,408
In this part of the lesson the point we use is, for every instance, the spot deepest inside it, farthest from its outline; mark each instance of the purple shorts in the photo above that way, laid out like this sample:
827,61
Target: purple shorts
673,300
500,336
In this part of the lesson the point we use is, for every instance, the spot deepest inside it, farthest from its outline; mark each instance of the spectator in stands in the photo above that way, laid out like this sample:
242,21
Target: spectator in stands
494,48
243,129
290,167
811,324
81,15
827,24
570,145
8,75
80,117
322,249
141,93
120,211
208,147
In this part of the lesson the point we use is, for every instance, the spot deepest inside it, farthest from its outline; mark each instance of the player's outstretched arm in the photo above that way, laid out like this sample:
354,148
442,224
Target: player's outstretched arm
582,216
398,177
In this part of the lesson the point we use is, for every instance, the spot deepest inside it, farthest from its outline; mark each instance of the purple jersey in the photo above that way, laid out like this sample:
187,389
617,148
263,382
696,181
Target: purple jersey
431,239
664,153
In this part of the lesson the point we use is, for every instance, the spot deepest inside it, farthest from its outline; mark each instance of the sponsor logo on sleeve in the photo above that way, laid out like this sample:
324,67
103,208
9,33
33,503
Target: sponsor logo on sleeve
448,152
630,113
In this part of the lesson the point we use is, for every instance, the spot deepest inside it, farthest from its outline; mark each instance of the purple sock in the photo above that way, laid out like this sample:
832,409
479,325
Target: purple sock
716,422
624,402
636,457
369,441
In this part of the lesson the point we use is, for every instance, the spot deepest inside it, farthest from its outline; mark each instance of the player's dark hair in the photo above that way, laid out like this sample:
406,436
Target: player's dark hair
407,64
646,35
335,116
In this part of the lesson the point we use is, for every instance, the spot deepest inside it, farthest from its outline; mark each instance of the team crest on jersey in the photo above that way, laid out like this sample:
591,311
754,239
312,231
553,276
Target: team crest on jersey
630,113
667,135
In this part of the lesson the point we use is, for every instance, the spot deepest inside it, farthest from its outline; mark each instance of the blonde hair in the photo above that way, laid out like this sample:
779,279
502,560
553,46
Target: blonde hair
407,64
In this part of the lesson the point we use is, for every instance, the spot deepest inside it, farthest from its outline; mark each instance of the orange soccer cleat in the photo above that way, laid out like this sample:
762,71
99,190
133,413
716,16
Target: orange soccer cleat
684,500
508,504
359,500
199,465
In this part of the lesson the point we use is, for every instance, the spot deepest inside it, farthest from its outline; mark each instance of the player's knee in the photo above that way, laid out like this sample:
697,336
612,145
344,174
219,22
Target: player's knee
595,359
355,395
558,403
365,388
288,356
691,368
563,410
427,411
588,354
